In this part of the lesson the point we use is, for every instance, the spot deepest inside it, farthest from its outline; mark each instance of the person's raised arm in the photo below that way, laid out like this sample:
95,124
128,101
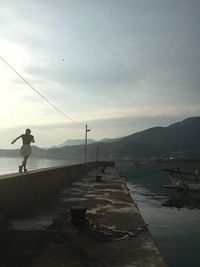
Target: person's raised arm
16,139
33,140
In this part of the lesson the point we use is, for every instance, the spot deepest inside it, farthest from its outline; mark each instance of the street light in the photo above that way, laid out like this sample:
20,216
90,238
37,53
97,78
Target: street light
86,131
97,156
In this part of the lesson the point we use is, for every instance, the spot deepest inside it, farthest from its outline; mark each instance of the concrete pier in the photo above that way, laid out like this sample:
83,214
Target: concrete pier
112,233
19,191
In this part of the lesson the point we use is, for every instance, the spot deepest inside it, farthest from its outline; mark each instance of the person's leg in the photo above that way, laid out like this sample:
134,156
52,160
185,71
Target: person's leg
24,162
20,168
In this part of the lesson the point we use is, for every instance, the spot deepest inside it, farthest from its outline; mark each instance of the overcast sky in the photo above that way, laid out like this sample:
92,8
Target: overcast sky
119,65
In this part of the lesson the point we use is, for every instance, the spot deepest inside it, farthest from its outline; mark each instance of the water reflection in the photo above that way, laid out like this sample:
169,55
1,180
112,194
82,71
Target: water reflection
180,199
173,217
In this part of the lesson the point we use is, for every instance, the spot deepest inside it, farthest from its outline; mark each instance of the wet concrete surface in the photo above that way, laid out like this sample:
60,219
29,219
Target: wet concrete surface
112,234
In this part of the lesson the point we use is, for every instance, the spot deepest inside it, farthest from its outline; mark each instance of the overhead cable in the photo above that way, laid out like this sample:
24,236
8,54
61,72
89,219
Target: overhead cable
44,98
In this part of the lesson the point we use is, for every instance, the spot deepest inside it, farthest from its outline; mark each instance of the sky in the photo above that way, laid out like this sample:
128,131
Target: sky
120,66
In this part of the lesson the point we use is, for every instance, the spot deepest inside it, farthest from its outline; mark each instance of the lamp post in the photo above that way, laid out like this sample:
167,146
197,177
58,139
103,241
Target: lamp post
86,131
97,156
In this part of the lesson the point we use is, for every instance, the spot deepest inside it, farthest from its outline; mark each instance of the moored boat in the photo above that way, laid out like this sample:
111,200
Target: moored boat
183,180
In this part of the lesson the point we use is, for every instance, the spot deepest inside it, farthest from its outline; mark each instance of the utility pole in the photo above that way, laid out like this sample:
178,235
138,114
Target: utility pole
86,131
97,156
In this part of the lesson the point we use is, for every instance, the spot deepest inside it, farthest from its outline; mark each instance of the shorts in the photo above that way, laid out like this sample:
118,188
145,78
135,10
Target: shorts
25,150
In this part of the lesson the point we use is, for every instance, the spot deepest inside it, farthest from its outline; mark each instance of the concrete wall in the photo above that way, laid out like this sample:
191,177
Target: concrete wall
19,191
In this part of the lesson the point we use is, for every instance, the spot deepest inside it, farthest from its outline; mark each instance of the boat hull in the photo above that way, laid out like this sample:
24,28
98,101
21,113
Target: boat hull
184,180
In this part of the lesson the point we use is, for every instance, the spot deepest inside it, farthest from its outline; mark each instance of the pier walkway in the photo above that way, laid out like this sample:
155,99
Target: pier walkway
112,232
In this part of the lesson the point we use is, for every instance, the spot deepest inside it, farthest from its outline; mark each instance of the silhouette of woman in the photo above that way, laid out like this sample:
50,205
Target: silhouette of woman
25,150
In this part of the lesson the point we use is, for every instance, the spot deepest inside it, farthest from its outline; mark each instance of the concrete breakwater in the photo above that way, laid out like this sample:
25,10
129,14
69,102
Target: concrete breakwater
19,191
112,233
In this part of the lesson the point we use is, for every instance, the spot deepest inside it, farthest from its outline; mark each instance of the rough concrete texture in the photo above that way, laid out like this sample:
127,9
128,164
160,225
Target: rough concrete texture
19,191
49,238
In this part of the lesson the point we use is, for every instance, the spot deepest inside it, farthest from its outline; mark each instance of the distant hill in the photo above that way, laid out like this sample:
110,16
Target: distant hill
180,136
72,142
108,140
183,135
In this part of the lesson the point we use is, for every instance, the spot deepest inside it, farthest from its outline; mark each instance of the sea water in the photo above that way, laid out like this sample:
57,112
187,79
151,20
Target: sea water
10,165
173,216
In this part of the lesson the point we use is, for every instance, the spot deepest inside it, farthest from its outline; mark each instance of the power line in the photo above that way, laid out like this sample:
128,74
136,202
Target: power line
44,98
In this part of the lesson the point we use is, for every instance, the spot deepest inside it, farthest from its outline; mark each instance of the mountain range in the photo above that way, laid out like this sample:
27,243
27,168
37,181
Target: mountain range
73,142
180,136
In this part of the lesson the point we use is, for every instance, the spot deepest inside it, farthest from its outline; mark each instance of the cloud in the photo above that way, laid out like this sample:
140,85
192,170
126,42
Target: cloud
99,60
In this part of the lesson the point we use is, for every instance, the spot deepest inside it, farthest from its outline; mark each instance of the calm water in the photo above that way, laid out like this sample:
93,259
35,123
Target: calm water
173,218
10,165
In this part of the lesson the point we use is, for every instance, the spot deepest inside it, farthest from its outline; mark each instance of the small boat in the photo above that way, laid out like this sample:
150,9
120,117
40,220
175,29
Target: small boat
183,180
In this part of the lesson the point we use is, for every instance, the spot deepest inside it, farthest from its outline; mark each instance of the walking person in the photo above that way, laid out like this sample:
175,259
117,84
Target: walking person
25,150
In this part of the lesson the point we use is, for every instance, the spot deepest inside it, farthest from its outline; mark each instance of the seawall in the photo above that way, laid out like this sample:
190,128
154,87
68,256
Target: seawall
19,191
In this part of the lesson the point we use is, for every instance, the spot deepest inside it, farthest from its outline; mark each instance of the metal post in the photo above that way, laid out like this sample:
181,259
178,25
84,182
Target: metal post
85,143
97,156
86,131
97,153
